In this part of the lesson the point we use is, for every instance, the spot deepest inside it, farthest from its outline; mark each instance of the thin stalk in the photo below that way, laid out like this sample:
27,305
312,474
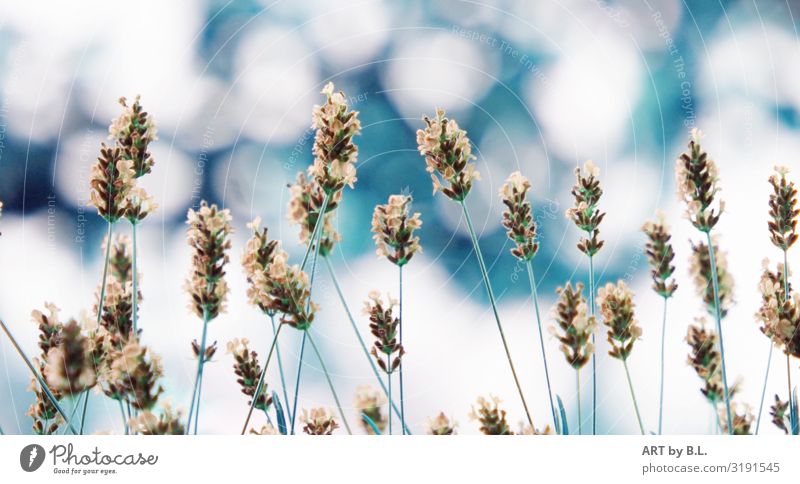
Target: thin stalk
718,315
297,382
124,418
578,389
105,273
402,400
490,292
260,383
85,406
280,361
661,391
330,383
789,375
199,375
389,382
594,353
360,339
787,296
38,377
764,388
135,277
76,405
317,229
199,394
633,395
535,297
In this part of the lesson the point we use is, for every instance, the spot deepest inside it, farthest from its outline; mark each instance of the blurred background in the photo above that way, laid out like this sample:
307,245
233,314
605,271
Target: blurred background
539,86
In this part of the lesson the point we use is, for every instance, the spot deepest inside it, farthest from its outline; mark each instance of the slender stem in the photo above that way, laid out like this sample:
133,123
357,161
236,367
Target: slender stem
199,394
85,406
330,383
789,374
402,400
633,395
297,381
594,353
490,292
199,375
105,273
578,389
786,298
535,297
260,383
280,361
124,418
764,387
39,379
135,278
389,383
661,391
718,315
317,230
360,339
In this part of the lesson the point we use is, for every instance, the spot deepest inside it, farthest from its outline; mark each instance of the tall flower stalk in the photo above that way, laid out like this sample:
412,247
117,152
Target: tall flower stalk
697,181
387,350
617,308
209,236
587,217
574,329
448,156
393,232
782,227
660,254
521,229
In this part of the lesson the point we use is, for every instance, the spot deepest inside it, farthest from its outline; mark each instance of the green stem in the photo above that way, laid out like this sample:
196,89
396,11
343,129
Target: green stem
297,382
85,406
260,383
360,339
535,297
661,391
490,292
594,353
135,278
400,325
389,382
105,274
124,418
330,383
633,395
718,315
280,361
764,387
199,375
578,389
199,394
38,377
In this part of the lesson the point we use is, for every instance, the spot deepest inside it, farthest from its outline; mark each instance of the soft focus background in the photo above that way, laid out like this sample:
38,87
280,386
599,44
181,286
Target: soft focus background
540,86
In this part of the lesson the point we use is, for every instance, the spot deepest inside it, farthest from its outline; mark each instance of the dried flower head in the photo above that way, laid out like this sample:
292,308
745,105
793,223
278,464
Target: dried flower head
209,237
705,359
266,429
585,214
441,425
782,210
167,423
697,178
660,255
112,178
116,316
335,154
775,306
49,327
133,375
258,254
518,218
69,369
305,204
46,419
528,430
393,230
289,292
248,371
211,350
448,156
780,414
616,306
575,326
370,402
134,130
384,326
491,417
138,205
700,269
742,421
319,421
120,260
